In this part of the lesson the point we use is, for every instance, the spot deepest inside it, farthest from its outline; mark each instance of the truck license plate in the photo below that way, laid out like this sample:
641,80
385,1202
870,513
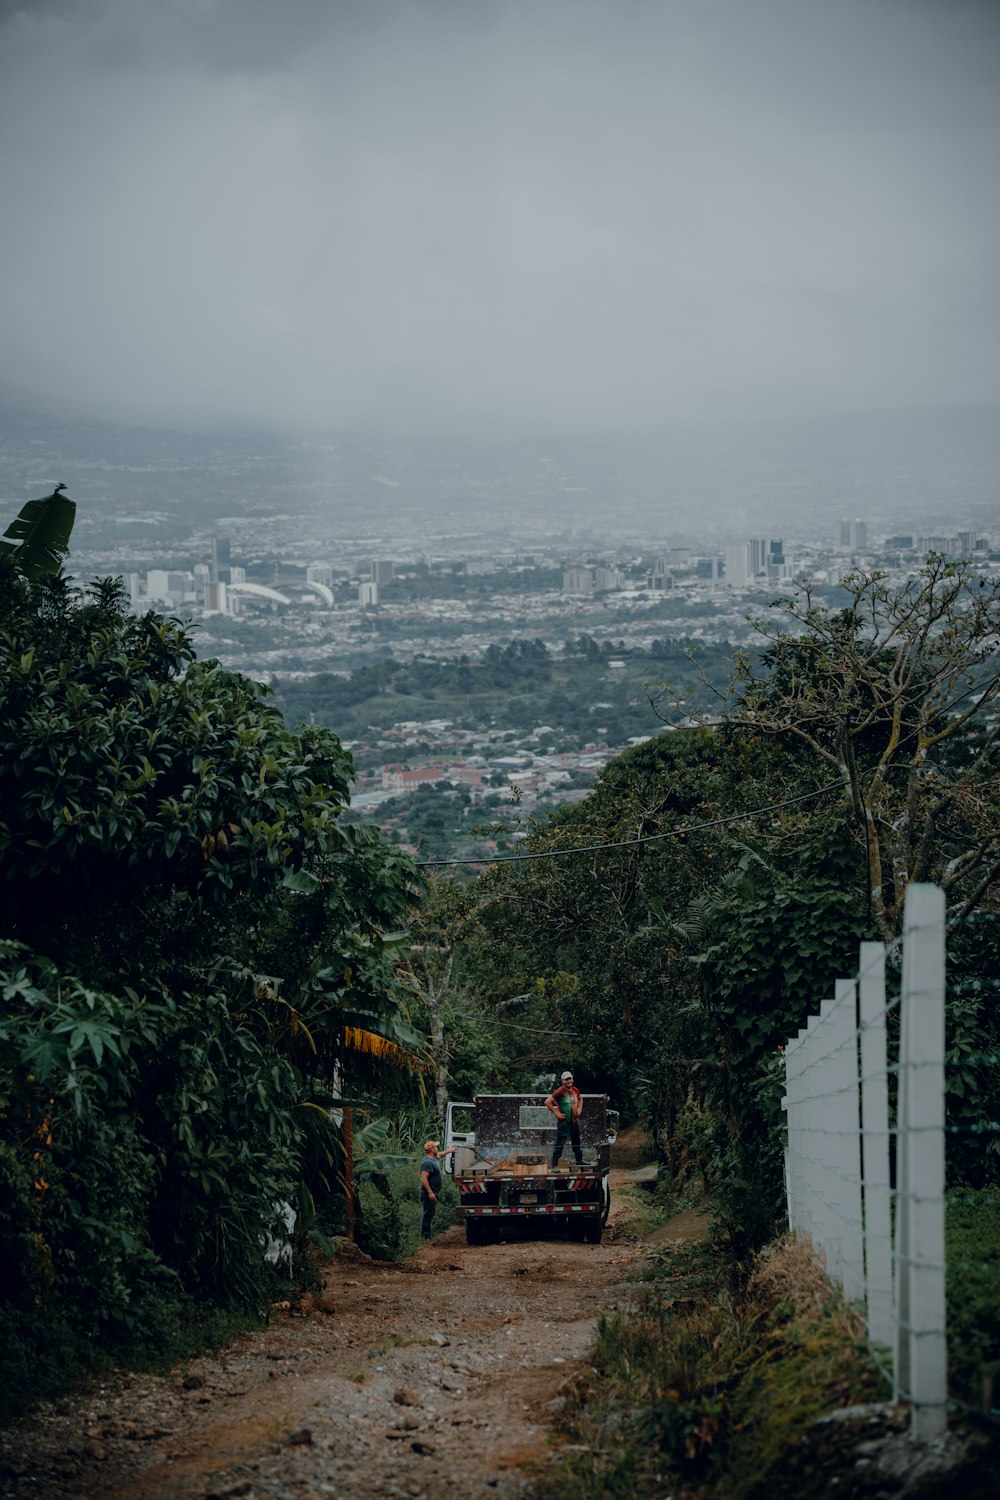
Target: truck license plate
529,1197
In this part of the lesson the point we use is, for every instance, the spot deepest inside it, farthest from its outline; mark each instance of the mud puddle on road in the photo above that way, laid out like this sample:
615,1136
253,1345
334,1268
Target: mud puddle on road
404,1381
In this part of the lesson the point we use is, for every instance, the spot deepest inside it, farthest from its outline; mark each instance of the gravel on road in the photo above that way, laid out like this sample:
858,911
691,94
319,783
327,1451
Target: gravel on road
395,1381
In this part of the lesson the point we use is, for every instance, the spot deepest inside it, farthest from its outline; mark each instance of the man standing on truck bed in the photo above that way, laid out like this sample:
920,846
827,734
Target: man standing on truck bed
566,1103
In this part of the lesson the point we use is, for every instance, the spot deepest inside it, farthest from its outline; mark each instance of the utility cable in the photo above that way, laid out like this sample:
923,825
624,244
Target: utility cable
646,838
466,1015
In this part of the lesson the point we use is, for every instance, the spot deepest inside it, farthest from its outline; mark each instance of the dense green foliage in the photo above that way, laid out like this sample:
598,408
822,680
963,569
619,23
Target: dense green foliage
519,686
972,1249
196,954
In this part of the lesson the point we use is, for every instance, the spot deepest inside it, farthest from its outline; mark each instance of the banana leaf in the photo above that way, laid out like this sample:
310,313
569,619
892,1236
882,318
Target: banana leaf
39,536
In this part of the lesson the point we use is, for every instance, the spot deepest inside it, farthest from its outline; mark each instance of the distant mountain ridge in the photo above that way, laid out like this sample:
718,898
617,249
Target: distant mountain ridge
912,468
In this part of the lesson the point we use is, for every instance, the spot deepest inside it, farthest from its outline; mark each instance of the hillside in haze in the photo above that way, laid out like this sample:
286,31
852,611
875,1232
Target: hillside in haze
920,469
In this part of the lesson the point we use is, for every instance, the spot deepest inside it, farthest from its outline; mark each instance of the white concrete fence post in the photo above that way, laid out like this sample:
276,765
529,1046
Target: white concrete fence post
875,1146
826,1144
921,1360
847,1140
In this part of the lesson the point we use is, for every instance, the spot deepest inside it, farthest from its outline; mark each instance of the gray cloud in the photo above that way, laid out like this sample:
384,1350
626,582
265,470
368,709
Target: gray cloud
569,214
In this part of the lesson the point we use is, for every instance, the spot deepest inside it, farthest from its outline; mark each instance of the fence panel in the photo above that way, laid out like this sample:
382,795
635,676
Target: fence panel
838,1165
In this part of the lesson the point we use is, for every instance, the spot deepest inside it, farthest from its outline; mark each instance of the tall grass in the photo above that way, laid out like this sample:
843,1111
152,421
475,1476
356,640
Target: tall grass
702,1389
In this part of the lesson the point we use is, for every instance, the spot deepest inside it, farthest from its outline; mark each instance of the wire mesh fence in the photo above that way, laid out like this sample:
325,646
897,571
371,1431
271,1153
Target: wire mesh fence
892,1099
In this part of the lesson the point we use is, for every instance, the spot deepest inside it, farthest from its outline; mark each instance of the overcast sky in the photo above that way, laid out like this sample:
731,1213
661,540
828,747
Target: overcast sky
500,215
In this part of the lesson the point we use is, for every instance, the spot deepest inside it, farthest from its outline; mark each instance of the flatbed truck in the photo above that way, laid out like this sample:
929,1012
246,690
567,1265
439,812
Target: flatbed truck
502,1166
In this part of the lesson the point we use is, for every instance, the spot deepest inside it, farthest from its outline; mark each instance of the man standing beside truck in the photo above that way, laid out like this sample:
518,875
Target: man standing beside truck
430,1185
566,1103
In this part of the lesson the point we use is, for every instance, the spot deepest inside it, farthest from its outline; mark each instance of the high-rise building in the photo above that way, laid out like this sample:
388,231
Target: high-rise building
946,545
852,536
220,559
382,571
737,565
169,587
777,568
217,598
320,572
578,581
746,562
608,578
368,595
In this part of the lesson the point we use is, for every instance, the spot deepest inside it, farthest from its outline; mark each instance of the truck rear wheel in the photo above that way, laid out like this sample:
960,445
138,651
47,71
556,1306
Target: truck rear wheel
592,1228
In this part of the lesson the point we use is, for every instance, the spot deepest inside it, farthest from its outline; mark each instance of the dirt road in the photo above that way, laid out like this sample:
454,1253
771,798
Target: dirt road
407,1380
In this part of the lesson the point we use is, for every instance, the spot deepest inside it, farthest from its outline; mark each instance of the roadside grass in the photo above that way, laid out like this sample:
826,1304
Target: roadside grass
972,1244
644,1208
650,1205
702,1390
59,1360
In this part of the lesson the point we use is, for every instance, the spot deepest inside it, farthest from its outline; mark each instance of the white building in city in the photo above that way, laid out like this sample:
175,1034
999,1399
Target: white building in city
164,587
852,536
578,581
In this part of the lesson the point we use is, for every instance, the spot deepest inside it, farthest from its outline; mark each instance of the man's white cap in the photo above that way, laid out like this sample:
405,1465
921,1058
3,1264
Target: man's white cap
565,1076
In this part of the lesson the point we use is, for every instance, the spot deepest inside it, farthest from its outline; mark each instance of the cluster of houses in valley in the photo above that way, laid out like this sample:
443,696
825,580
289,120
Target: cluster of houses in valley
486,767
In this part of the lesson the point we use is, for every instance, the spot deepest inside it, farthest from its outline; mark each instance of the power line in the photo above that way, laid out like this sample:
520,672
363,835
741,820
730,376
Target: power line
535,1030
647,838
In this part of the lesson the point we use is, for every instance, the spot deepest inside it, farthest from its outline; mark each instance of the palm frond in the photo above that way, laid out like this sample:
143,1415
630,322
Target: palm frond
370,1044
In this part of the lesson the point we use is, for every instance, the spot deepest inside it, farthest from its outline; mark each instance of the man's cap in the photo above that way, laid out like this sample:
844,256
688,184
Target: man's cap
429,1144
565,1076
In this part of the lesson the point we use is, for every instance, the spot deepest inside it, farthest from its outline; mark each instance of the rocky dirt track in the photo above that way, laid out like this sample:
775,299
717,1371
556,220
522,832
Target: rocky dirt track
442,1374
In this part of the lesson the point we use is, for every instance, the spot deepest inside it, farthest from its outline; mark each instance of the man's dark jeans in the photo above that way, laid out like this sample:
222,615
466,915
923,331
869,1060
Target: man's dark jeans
567,1130
429,1205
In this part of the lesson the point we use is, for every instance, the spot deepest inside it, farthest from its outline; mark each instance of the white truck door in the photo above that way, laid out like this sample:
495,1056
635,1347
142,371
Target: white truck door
459,1130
